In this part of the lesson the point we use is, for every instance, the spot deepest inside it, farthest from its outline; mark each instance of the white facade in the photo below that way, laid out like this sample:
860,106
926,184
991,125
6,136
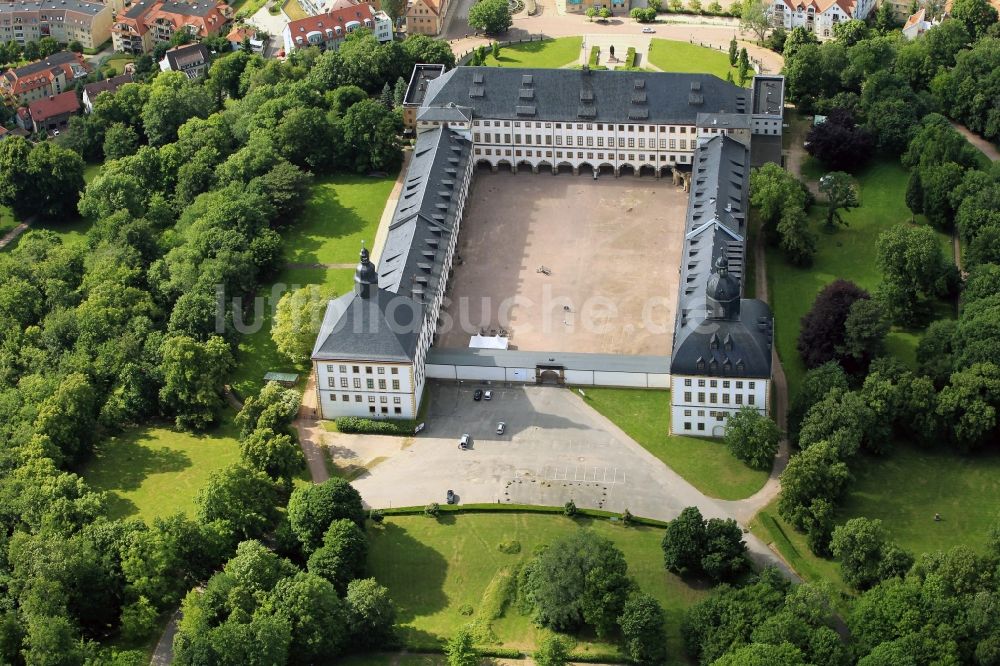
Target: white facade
817,17
374,390
701,405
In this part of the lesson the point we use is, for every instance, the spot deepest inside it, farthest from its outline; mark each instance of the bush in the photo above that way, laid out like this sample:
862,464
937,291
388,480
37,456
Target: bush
630,57
376,516
570,508
595,56
432,509
511,547
626,518
356,424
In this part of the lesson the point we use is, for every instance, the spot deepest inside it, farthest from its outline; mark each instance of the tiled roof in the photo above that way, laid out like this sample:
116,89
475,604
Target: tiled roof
180,57
336,21
107,85
55,105
581,95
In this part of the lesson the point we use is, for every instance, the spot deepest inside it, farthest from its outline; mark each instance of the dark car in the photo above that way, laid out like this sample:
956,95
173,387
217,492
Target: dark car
478,395
450,497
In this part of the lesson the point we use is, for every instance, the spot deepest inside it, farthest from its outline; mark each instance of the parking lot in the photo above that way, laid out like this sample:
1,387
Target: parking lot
554,449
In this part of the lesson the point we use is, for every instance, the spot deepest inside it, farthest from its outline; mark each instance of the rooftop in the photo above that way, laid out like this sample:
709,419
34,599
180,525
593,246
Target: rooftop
54,60
68,5
417,90
510,358
768,95
55,105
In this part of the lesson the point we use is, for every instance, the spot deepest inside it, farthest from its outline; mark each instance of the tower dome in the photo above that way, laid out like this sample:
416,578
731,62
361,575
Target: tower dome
365,275
722,292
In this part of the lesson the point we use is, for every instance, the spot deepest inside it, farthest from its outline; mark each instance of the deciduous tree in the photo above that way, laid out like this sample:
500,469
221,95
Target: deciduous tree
752,437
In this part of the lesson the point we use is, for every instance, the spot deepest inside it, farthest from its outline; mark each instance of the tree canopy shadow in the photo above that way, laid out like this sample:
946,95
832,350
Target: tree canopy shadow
124,462
413,572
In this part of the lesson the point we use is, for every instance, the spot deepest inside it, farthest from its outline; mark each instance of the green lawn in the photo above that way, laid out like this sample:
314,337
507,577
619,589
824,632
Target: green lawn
847,253
293,10
548,53
90,172
115,64
907,487
671,56
257,354
705,463
434,568
342,211
7,220
157,471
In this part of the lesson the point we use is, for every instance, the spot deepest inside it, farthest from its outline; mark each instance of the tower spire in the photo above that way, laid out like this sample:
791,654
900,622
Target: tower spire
365,275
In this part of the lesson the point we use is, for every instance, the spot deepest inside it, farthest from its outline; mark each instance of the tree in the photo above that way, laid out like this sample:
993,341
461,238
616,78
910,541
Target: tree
297,319
817,473
641,625
173,99
733,50
885,20
271,409
491,16
797,240
822,331
424,49
840,193
913,268
839,142
551,651
579,580
604,13
317,616
394,8
344,98
752,437
370,131
245,499
385,97
753,18
193,373
42,180
864,334
968,405
684,542
312,509
307,139
814,387
850,32
591,13
866,555
120,140
977,15
275,455
460,649
725,555
776,40
371,613
342,556
399,93
914,194
939,183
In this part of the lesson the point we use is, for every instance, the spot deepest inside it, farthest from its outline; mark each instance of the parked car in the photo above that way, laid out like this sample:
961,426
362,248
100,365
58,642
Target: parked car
464,442
648,30
501,427
450,497
488,395
478,395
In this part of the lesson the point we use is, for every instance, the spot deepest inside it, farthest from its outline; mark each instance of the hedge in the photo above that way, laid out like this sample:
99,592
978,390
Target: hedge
518,508
356,424
630,57
595,56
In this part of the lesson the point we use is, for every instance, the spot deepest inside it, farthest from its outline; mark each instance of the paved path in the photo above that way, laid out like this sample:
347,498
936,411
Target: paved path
555,447
294,264
310,431
11,235
390,208
163,655
979,142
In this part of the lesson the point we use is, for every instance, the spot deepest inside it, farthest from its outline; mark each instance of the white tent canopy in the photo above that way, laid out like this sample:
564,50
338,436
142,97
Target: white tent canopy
488,342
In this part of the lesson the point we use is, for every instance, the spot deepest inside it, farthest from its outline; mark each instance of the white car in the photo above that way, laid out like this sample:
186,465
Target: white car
501,426
649,31
488,395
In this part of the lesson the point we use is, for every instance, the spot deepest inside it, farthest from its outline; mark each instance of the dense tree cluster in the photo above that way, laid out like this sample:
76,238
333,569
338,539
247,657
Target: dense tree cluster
698,547
201,181
839,142
782,200
752,437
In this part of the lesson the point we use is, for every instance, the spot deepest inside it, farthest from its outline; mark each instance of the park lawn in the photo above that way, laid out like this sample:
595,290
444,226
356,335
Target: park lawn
673,56
436,568
849,253
705,463
342,211
115,64
909,485
547,53
257,354
157,471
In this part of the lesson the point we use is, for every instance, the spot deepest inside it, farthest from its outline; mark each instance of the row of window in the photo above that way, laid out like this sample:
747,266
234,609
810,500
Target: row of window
369,383
582,126
345,397
713,398
582,140
714,383
356,369
579,155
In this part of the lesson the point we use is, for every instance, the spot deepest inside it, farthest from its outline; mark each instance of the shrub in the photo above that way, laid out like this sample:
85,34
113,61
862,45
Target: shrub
630,57
376,516
432,509
595,56
570,508
511,547
356,424
626,518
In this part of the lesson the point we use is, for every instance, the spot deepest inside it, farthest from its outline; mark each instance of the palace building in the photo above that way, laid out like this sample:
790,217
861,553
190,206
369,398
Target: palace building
371,351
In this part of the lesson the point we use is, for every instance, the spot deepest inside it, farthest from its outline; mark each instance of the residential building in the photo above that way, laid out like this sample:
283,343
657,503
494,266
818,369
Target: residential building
369,355
721,360
149,22
191,59
65,21
426,17
817,16
917,24
110,86
44,78
695,125
258,39
49,114
328,30
417,90
580,6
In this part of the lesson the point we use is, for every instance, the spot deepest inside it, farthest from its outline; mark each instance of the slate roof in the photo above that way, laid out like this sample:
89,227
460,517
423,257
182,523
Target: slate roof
768,95
514,358
425,219
715,233
382,327
584,95
58,58
107,85
385,326
186,56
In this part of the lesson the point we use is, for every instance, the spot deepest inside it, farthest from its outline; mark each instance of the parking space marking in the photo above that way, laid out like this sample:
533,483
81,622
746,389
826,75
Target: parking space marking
579,473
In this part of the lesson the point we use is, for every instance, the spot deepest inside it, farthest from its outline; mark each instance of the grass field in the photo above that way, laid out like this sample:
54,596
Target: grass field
7,220
705,463
342,211
548,53
847,253
671,56
434,568
115,64
158,471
